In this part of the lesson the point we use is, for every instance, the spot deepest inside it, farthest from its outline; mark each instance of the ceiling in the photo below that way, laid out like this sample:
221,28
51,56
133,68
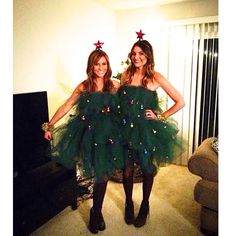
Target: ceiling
129,4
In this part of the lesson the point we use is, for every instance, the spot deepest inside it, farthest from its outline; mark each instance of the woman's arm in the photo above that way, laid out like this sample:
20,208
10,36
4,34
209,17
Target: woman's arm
64,109
172,92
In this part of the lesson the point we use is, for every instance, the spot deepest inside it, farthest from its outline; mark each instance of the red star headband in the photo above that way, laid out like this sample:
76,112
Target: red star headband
98,45
140,35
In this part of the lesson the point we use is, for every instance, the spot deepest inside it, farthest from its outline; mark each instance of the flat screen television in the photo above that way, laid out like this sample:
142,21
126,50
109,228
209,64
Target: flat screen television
30,110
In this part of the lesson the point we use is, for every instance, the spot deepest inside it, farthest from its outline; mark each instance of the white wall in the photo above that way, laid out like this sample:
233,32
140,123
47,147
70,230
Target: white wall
152,20
52,39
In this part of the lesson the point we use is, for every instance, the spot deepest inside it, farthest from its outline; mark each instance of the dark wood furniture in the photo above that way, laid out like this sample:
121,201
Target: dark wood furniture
41,187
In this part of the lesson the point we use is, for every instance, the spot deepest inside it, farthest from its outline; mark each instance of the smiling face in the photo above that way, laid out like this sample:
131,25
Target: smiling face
100,68
138,57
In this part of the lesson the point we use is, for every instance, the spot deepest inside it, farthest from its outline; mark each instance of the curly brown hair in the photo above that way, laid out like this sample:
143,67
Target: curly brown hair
89,84
148,67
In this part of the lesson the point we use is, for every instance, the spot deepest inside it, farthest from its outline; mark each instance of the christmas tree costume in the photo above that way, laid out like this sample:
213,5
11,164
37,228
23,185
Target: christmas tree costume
151,142
91,137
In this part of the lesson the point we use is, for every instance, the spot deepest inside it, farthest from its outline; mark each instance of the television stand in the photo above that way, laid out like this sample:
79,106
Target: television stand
41,187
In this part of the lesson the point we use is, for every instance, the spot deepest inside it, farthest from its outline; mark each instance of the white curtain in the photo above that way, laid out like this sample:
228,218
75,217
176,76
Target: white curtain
180,58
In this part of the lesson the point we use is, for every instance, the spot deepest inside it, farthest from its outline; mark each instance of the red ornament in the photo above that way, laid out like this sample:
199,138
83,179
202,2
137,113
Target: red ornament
131,102
111,141
98,44
140,35
83,117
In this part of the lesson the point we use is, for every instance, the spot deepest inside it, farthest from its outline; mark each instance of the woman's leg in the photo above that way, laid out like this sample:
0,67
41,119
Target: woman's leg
96,219
144,209
147,186
128,188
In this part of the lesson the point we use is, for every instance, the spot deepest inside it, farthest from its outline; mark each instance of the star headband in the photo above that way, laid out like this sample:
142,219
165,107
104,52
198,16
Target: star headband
98,45
140,35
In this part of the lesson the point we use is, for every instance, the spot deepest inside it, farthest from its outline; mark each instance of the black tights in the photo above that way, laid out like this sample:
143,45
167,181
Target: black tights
99,190
128,183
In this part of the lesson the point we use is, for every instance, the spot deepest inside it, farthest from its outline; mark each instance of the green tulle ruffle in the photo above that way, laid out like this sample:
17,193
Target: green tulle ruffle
91,138
154,142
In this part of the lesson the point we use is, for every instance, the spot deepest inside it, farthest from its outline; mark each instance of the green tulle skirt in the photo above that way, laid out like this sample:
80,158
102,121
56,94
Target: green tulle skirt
151,142
90,139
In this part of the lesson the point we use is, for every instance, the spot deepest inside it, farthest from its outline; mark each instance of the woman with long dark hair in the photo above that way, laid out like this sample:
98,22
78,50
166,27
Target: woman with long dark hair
90,137
149,136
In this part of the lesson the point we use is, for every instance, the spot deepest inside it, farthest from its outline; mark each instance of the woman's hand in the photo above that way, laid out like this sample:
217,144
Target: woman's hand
48,135
150,115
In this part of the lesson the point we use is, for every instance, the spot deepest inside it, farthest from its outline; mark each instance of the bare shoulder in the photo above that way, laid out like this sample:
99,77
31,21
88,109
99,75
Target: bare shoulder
158,77
123,78
80,87
75,95
116,83
156,81
77,91
167,86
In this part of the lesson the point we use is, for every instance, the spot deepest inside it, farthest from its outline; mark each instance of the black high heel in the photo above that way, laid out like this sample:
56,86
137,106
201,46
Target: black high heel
93,222
101,223
129,213
142,215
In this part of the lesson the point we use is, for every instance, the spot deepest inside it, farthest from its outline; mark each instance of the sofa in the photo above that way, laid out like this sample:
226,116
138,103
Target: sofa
204,163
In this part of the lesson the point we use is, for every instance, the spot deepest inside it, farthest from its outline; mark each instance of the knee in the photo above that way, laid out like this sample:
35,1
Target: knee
101,180
128,172
105,179
147,175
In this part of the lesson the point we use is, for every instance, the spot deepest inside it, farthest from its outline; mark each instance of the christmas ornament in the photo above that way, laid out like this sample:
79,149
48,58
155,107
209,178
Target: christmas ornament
111,141
83,117
124,121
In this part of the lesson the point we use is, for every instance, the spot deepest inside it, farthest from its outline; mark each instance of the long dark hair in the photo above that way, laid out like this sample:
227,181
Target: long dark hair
89,83
148,67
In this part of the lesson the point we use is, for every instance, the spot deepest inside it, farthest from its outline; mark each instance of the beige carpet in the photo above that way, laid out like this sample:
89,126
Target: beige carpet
173,211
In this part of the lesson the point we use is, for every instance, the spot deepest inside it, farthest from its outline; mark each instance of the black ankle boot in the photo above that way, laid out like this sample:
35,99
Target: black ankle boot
142,215
101,223
93,222
129,213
